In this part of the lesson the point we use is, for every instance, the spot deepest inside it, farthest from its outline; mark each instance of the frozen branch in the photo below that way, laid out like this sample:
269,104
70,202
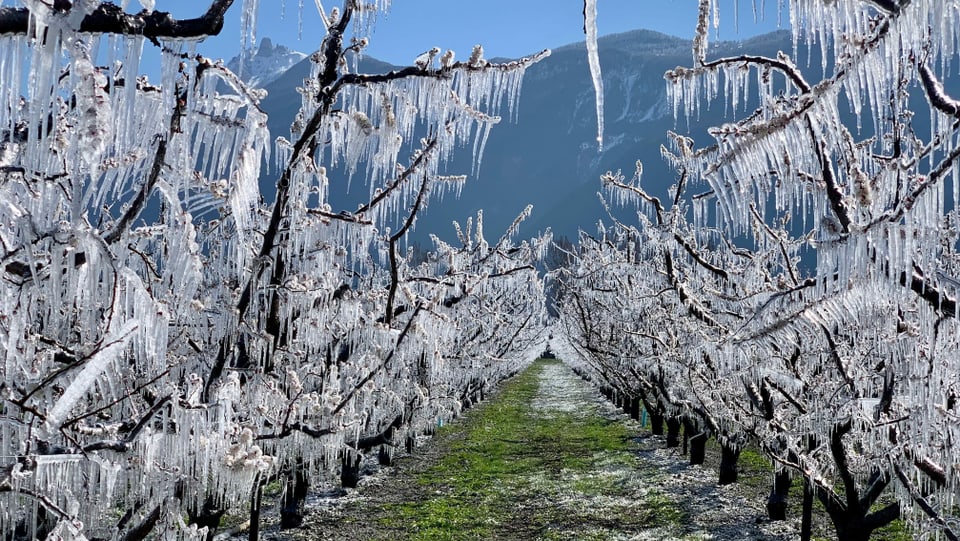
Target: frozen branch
394,239
109,18
782,64
936,93
834,194
47,503
839,453
421,159
386,361
925,505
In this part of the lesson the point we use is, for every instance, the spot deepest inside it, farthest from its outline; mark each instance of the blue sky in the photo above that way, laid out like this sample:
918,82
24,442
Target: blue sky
506,28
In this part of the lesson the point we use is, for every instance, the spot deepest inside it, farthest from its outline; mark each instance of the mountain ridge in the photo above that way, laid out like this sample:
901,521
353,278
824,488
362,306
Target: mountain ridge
549,156
266,64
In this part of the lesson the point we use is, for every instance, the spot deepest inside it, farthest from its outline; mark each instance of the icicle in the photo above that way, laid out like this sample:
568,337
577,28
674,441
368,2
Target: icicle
248,30
87,377
593,58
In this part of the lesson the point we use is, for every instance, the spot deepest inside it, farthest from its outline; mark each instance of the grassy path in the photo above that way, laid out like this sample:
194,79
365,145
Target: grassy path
548,459
545,459
541,462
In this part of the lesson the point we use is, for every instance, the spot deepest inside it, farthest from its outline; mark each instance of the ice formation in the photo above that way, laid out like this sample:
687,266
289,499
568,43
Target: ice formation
593,58
169,341
799,289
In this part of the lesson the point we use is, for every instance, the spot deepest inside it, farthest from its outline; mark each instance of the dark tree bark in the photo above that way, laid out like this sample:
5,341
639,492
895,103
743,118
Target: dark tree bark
635,406
777,500
858,525
697,441
255,496
350,469
850,514
208,516
673,432
384,456
806,519
729,456
689,428
685,442
410,444
656,421
111,19
293,497
38,528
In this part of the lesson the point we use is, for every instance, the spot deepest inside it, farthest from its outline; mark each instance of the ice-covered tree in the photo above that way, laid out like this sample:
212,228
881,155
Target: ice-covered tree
831,341
172,337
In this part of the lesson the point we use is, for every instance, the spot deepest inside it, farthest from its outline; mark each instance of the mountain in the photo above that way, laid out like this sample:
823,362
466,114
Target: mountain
560,170
266,64
549,157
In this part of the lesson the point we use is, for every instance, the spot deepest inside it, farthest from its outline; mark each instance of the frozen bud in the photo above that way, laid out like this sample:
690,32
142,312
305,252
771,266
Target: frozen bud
425,60
476,57
295,385
363,123
194,389
446,61
862,189
831,225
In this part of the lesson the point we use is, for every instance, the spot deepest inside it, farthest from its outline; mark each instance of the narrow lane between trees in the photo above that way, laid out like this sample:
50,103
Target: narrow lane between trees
546,458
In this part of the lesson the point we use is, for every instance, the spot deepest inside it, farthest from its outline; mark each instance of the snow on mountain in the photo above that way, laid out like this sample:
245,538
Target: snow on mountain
266,64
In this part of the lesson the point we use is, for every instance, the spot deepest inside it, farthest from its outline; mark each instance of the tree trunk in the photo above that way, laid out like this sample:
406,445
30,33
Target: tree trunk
688,429
851,528
777,501
728,464
656,422
860,524
350,470
256,494
635,409
208,516
698,449
411,444
293,497
806,519
673,432
384,456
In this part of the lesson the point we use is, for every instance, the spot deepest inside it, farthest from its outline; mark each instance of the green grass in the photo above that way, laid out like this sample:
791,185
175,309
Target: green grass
523,473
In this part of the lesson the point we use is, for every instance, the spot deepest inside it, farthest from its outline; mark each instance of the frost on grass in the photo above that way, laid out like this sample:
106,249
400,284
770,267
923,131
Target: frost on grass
560,393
